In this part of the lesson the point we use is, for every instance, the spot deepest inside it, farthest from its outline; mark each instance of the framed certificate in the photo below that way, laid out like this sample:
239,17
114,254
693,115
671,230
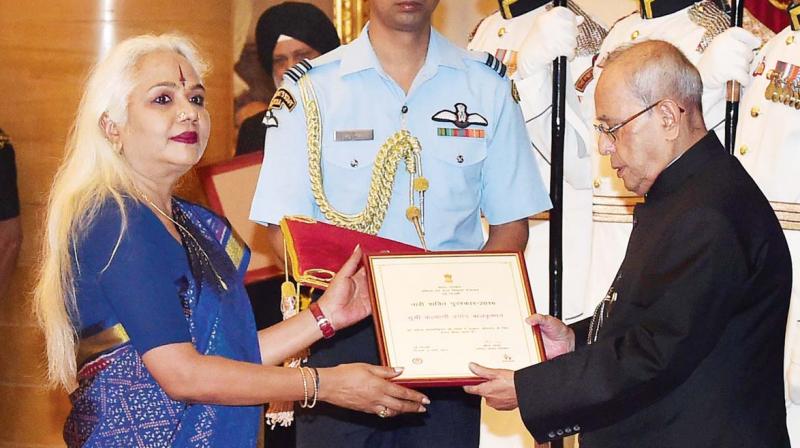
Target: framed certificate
229,187
435,313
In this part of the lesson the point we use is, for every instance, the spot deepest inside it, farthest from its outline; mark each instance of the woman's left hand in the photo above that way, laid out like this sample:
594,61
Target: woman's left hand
346,300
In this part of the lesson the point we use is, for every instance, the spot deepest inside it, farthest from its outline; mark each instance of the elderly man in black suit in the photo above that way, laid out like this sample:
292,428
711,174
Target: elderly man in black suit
687,347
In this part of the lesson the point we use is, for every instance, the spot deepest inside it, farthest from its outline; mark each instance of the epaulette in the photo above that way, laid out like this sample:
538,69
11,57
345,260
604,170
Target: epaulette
490,61
298,70
301,68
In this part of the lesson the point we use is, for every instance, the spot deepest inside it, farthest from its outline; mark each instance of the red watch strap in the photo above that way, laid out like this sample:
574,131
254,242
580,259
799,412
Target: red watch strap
324,324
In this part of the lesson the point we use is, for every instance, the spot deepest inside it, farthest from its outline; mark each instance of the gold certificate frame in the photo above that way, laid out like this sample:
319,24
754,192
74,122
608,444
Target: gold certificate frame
434,313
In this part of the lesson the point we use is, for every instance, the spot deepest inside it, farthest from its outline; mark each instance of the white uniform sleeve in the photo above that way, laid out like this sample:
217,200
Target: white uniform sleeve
283,185
536,100
512,186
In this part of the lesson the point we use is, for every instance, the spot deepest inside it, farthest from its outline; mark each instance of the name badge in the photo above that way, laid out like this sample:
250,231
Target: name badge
354,135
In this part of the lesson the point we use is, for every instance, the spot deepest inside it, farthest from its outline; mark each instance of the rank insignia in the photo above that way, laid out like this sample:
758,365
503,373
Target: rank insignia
298,70
646,8
495,64
505,9
281,98
460,117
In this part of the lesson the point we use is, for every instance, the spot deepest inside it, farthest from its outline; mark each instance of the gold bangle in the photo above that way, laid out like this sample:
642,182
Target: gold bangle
315,376
304,404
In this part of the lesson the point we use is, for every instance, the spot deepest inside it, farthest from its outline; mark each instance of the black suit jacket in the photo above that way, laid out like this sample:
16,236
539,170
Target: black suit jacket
691,353
251,135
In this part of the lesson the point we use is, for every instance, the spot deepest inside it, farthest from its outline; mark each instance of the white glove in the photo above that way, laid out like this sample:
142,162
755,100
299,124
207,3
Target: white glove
728,58
553,33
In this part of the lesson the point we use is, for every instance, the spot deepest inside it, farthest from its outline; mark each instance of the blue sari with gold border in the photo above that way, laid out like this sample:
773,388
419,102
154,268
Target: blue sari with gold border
118,403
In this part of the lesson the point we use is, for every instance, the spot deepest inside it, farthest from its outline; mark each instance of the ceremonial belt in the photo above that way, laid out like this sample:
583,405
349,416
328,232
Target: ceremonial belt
620,209
614,208
788,214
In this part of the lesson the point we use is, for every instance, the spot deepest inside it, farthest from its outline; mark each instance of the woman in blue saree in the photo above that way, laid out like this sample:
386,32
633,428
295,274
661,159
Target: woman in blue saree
140,294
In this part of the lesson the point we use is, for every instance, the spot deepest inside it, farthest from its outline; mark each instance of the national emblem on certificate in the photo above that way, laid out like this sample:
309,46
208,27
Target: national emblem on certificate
435,313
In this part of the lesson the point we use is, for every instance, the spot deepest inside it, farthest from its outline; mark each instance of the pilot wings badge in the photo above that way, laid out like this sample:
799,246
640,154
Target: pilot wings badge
460,117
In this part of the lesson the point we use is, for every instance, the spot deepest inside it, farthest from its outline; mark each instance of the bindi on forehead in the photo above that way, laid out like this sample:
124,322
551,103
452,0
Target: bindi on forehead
182,78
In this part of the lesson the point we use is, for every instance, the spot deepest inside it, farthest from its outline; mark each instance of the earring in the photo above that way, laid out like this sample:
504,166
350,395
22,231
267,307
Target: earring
117,147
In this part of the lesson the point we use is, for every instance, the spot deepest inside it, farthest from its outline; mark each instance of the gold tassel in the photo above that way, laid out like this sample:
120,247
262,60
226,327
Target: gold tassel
282,412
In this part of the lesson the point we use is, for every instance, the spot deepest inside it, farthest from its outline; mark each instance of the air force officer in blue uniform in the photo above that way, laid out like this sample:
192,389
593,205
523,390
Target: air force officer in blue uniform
459,109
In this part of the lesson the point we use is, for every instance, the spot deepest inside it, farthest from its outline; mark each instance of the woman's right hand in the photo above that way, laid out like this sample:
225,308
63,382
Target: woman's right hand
365,388
346,301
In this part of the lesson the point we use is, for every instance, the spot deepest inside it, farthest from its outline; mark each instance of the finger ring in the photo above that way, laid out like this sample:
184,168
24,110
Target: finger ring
384,412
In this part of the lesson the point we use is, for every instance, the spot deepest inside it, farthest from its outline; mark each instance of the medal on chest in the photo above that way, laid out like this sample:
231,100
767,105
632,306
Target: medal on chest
784,85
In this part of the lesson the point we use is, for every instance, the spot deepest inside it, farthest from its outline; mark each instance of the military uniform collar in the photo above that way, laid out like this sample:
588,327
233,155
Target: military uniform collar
652,9
361,56
794,15
515,8
686,166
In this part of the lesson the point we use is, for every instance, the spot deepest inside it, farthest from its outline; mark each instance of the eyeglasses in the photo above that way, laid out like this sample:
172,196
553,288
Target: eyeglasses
609,131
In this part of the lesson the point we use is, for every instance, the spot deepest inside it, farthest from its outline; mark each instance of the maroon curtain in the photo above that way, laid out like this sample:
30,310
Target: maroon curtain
776,19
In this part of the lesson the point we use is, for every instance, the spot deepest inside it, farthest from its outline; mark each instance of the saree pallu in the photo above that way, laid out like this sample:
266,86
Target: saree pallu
119,404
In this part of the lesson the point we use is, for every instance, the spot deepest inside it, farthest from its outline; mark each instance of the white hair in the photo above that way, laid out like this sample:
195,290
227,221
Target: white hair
665,73
91,173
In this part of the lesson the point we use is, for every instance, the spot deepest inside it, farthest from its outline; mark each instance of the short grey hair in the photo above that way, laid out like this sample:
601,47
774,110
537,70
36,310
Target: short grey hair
661,71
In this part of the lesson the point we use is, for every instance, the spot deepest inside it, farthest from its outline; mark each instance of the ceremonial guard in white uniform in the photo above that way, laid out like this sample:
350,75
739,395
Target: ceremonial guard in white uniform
768,145
700,31
527,35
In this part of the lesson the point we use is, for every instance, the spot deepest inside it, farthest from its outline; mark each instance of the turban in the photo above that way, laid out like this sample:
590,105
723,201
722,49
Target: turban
302,21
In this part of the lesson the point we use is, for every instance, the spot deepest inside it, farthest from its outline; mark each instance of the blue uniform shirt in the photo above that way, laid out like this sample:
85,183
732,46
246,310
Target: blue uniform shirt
493,173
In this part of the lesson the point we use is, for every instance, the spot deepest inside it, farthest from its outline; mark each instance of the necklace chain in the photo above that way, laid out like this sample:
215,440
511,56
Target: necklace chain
185,231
